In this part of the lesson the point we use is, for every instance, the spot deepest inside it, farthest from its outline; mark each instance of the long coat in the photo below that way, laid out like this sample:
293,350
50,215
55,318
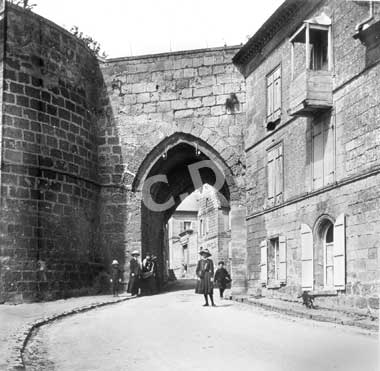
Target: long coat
134,277
222,278
205,272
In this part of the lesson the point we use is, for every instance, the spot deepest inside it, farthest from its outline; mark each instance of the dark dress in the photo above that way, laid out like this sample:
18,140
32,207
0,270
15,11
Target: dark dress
134,277
222,278
148,281
205,272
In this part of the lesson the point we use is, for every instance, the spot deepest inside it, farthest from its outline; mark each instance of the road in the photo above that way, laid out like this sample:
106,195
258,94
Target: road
173,331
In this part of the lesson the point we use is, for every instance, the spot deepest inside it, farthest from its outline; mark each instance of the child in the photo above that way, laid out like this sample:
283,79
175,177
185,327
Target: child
115,277
222,278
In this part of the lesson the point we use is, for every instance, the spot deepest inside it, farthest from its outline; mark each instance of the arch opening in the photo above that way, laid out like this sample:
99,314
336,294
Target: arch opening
166,178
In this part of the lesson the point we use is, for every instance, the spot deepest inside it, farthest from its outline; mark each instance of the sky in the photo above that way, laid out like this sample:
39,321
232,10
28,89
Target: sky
137,27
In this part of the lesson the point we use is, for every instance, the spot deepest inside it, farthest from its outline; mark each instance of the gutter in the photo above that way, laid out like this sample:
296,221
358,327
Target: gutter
360,26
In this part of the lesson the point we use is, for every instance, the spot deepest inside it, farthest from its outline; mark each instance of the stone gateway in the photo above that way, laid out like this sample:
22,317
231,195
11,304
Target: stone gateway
289,122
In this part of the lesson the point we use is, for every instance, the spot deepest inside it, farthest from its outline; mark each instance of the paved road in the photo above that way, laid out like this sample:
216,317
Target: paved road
173,332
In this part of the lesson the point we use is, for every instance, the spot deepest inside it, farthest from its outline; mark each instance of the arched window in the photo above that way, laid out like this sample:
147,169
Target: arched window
328,252
324,255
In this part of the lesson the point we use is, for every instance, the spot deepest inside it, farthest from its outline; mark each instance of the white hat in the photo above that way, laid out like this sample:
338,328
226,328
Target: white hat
135,252
115,262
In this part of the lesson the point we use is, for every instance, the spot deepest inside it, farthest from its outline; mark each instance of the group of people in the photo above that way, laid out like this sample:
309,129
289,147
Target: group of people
143,277
206,277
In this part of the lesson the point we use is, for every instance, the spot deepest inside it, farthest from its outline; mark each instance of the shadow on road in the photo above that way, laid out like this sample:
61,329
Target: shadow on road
179,285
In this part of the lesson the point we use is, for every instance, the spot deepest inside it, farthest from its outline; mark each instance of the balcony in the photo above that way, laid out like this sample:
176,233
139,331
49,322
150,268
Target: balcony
310,93
311,66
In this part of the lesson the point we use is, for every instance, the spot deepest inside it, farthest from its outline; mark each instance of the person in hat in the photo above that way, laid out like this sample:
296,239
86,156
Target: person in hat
205,277
134,274
222,278
115,277
147,275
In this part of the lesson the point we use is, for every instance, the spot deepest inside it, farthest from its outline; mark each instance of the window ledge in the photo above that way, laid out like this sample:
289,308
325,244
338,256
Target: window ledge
324,292
276,285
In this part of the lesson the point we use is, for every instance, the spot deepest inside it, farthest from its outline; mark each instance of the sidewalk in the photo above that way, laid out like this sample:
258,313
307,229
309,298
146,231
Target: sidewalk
17,320
296,309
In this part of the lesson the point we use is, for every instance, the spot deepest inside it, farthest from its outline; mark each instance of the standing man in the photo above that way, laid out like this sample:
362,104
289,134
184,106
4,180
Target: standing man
222,278
134,274
115,277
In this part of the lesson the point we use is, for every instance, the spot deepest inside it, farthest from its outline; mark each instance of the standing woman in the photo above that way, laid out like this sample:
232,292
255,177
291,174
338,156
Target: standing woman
205,274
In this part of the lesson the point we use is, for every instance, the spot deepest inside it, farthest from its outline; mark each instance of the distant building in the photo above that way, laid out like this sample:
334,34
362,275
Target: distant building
214,224
182,231
201,221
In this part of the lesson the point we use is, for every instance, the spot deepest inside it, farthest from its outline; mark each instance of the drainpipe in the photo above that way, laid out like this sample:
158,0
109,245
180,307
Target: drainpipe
359,27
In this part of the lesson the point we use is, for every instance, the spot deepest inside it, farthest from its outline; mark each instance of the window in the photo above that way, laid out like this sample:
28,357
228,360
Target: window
275,175
274,95
323,255
312,44
186,225
273,262
323,152
318,50
328,252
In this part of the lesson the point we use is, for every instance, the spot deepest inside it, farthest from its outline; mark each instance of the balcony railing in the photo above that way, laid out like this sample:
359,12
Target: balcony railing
310,92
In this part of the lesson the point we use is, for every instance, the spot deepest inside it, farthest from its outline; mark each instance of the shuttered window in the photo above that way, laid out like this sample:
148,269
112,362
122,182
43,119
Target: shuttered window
339,253
323,153
274,95
273,262
282,259
263,262
306,257
275,175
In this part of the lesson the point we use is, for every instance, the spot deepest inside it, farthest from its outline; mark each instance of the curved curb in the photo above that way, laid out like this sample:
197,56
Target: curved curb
15,359
311,316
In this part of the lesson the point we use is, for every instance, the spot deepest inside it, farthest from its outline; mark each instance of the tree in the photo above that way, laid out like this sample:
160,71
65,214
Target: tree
91,43
23,4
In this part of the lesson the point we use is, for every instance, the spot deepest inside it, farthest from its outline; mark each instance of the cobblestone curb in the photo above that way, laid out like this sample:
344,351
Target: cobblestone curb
314,316
15,359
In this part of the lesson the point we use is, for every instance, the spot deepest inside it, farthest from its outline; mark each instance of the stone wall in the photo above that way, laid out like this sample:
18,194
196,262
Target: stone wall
154,100
355,191
50,189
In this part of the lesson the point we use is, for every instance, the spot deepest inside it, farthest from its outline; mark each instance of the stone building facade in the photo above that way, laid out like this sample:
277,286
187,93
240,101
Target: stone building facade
89,148
81,138
204,224
182,238
214,225
312,146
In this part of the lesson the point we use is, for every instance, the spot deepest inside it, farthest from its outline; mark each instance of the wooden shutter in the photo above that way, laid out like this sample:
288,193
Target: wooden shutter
277,91
278,174
307,257
271,177
340,253
317,155
269,95
263,262
329,152
282,259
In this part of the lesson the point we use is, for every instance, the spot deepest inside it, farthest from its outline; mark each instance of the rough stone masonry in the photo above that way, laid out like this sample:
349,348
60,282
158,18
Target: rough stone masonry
75,133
